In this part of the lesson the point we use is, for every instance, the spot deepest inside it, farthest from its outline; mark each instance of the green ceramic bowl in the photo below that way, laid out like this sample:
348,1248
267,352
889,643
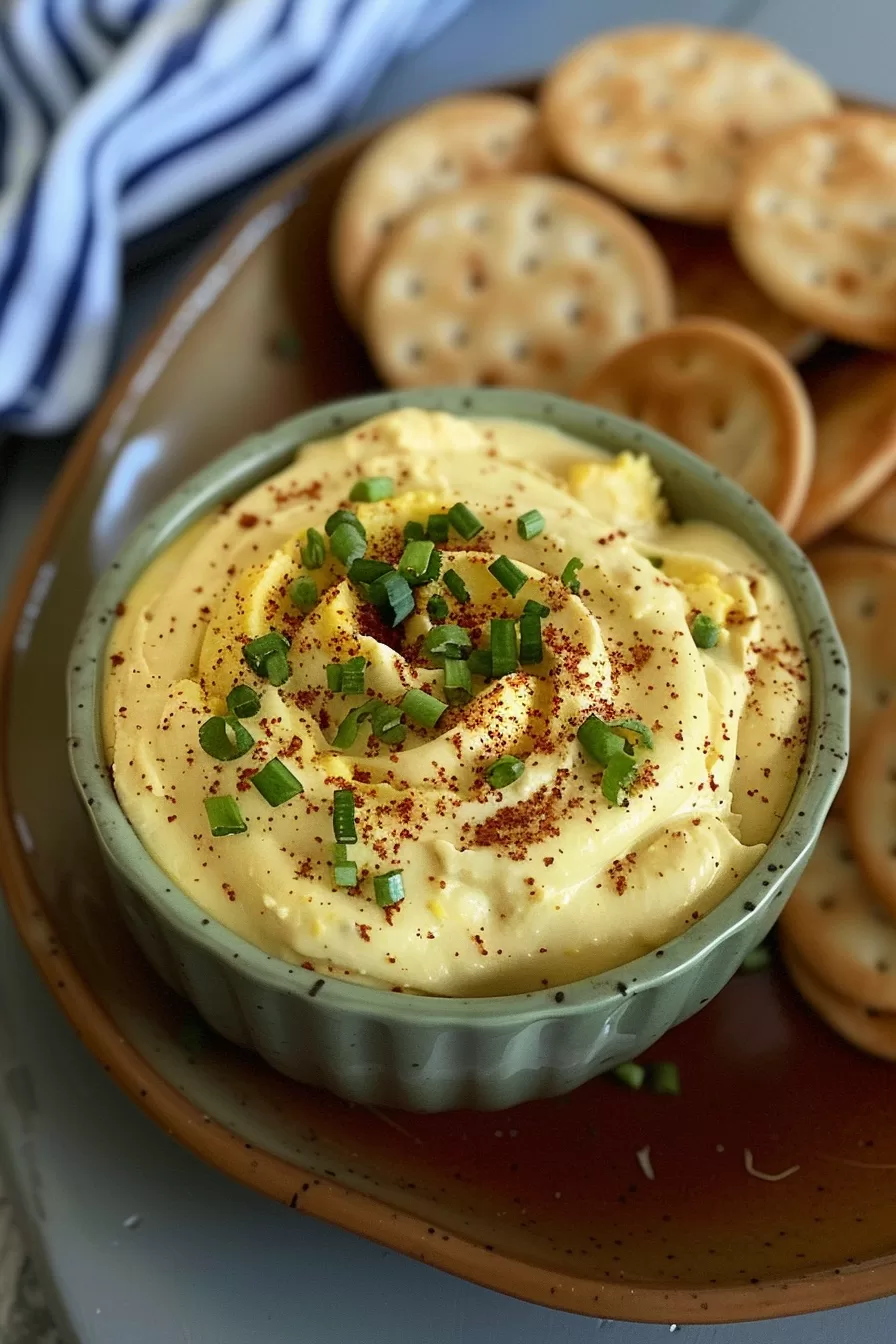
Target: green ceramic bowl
439,1053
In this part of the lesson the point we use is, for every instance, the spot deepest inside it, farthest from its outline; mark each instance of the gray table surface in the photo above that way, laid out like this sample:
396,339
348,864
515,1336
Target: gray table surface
132,1239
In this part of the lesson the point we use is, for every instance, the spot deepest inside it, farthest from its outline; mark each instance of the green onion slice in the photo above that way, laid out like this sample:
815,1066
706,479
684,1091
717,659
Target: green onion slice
392,596
415,559
570,570
599,740
630,1074
314,552
504,771
656,561
224,816
243,702
665,1079
639,729
458,681
705,631
413,531
344,516
303,593
446,641
432,571
531,649
529,524
257,650
509,575
388,888
348,729
345,870
347,543
368,571
347,678
464,521
533,608
225,738
456,586
480,663
502,642
276,669
437,527
371,488
385,722
344,817
437,607
617,778
423,708
276,783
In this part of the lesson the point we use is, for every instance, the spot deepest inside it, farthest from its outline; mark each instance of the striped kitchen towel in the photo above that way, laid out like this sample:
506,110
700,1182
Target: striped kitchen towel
119,115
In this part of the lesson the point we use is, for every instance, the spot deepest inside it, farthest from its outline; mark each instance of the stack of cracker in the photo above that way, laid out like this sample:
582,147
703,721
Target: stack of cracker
680,218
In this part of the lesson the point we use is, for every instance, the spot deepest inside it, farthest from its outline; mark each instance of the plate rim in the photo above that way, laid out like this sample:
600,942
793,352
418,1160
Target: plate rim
364,1214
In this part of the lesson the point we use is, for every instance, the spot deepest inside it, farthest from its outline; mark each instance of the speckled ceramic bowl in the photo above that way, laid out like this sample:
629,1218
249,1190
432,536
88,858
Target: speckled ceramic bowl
438,1053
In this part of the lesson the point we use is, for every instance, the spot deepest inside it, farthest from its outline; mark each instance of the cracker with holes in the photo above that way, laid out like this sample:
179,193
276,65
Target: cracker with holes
815,224
855,410
871,806
728,396
838,929
861,1026
709,281
519,282
860,583
662,117
446,145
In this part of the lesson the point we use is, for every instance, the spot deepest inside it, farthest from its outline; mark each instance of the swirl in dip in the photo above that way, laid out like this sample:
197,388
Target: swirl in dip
530,875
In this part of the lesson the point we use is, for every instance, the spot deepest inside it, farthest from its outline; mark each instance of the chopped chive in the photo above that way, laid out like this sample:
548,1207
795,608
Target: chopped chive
599,740
529,524
533,608
344,516
423,708
458,681
639,729
347,731
446,641
437,527
665,1079
276,783
347,544
415,559
257,650
413,531
509,575
656,561
303,593
705,631
630,1075
617,778
756,960
345,870
225,738
388,888
432,571
502,642
504,771
224,816
243,702
372,488
570,570
480,663
385,722
437,607
276,669
368,571
464,521
456,586
344,817
391,595
314,552
348,677
531,649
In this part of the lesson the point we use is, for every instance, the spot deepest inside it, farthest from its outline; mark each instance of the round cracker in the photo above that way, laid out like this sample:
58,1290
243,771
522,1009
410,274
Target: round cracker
875,521
865,1028
838,929
871,806
728,396
815,224
445,145
860,583
709,281
855,412
521,282
663,116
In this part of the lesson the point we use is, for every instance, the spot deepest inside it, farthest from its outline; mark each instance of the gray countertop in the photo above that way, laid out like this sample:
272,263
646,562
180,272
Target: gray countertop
133,1240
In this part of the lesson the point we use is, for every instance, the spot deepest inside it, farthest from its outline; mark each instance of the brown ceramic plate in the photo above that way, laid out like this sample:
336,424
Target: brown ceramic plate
547,1202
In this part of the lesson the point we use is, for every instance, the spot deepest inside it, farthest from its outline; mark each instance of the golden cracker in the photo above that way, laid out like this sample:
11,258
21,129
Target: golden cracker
865,1028
445,145
663,116
728,396
871,806
520,281
875,520
814,223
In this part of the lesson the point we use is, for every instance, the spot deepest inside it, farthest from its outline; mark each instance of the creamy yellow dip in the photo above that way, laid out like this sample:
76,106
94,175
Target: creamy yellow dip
539,883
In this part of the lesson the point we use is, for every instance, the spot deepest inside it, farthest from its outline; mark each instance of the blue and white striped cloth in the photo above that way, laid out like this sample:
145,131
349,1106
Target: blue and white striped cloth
118,115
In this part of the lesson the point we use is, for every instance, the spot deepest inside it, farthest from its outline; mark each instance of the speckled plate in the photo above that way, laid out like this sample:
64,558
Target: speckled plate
547,1202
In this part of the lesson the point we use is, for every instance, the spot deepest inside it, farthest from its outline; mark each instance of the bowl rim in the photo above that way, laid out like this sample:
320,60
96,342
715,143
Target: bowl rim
250,461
